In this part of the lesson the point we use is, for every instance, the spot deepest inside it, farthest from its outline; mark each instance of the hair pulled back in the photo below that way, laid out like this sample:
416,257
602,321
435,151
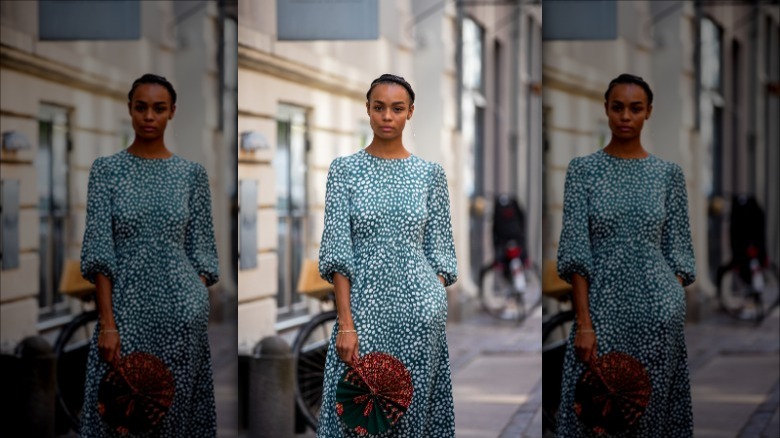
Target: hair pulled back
626,78
149,78
391,79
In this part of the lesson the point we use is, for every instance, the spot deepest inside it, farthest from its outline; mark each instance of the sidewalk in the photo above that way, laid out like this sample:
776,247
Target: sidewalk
735,383
497,372
496,377
222,338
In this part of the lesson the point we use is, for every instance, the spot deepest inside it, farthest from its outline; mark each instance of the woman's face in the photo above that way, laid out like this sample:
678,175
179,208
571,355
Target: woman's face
388,110
627,110
150,110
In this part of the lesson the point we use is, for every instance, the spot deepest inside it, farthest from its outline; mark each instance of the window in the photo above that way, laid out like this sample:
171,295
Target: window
472,119
291,182
51,166
711,110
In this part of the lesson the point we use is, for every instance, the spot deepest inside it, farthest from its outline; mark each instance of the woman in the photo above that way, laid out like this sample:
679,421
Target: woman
149,249
626,249
387,248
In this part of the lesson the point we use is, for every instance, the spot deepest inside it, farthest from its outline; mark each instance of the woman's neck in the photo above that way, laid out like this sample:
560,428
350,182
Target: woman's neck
387,149
626,149
149,149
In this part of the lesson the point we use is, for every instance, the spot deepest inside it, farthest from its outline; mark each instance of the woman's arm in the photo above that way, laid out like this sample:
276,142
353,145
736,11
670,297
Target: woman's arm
585,338
346,339
108,338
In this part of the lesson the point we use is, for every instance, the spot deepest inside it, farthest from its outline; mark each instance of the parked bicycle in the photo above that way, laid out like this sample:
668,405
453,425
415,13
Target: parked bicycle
555,332
72,347
310,347
748,284
507,283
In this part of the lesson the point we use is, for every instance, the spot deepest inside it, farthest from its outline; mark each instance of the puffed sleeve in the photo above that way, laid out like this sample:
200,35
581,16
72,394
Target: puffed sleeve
676,243
336,243
438,244
97,249
199,243
574,255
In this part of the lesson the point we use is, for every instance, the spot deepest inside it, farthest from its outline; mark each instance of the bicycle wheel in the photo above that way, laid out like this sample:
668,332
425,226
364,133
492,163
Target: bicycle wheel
498,295
553,353
738,298
72,348
309,351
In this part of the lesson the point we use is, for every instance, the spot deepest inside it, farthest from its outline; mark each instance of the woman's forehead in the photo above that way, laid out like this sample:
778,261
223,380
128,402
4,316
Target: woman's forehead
389,92
627,93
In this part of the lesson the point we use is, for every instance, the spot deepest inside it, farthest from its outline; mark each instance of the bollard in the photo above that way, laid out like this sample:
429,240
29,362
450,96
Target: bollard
271,390
36,393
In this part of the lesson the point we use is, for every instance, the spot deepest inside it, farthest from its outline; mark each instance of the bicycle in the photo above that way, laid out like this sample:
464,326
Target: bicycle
72,347
554,351
310,346
507,281
747,286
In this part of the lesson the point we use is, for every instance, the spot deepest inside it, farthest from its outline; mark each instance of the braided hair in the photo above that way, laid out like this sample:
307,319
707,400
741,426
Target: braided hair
391,79
152,79
626,78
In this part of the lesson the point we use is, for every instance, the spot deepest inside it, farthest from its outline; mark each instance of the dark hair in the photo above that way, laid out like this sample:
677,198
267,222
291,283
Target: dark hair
152,79
391,79
626,78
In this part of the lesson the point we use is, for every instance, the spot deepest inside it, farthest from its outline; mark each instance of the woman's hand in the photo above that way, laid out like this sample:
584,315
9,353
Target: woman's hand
585,346
109,345
347,347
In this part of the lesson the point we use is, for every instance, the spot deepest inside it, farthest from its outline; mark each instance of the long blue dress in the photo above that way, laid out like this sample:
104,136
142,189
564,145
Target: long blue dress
388,230
626,230
149,230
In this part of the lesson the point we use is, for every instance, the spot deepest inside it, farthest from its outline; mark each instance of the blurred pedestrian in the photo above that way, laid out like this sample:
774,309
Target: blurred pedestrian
387,247
149,248
626,248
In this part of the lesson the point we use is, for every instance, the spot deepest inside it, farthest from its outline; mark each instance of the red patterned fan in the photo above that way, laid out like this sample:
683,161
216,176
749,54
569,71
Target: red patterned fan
135,396
613,393
374,394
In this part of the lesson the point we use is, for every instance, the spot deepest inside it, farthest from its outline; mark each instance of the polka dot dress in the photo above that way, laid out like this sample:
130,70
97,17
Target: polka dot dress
149,230
625,228
388,230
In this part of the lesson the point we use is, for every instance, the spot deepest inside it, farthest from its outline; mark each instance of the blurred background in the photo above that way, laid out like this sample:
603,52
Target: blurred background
66,69
303,72
714,67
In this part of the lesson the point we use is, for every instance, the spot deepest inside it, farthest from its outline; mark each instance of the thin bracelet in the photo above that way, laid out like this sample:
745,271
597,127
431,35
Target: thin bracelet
347,331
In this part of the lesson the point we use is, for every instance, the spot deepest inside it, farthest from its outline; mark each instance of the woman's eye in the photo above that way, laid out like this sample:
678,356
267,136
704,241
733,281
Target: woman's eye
398,110
377,108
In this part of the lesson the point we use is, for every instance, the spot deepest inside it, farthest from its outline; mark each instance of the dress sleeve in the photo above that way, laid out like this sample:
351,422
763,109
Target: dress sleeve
97,249
199,243
676,243
438,244
574,254
336,244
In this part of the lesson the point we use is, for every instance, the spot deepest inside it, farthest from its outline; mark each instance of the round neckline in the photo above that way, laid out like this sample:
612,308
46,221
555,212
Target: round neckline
148,159
649,155
386,159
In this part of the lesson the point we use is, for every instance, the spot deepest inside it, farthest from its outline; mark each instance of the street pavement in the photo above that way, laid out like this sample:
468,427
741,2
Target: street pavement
224,360
735,377
496,376
497,370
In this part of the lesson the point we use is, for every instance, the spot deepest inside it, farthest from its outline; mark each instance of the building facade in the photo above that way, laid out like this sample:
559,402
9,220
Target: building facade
64,103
